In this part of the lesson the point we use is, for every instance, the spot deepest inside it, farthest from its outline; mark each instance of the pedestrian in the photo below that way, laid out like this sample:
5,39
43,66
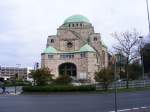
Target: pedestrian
4,89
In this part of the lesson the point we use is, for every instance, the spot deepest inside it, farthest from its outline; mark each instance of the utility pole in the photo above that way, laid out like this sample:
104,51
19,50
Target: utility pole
115,80
141,53
148,14
16,77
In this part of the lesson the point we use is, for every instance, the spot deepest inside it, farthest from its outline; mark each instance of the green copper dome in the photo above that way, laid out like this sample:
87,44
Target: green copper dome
76,18
50,49
86,48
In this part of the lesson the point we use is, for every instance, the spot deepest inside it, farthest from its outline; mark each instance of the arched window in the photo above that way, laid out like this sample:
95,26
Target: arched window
68,69
69,44
80,24
95,39
69,25
52,40
72,25
103,54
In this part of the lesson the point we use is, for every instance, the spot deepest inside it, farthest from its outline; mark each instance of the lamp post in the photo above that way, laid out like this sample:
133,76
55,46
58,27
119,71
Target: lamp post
18,65
115,78
36,65
148,15
16,76
141,53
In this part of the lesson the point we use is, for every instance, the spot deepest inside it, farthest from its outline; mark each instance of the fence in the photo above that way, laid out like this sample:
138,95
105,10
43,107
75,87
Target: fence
122,84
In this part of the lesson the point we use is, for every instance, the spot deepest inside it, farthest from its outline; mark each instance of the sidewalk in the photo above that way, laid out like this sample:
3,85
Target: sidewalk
10,93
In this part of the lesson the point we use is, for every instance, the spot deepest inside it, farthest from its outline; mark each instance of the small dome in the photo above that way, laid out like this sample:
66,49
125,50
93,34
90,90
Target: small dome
76,18
86,48
50,49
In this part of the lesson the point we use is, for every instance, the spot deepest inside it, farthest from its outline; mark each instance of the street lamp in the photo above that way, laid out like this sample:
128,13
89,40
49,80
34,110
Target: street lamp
141,53
16,76
148,14
115,78
18,65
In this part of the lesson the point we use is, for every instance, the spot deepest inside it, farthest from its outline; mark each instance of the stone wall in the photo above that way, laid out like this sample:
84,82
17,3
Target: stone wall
86,65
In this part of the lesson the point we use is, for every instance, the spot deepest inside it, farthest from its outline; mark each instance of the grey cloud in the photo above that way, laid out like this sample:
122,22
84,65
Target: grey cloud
25,24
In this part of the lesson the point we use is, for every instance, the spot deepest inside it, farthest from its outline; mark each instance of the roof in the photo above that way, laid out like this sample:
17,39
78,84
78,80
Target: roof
86,48
50,49
76,18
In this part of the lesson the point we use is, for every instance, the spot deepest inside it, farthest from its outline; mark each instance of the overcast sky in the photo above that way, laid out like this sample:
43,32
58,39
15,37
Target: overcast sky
25,24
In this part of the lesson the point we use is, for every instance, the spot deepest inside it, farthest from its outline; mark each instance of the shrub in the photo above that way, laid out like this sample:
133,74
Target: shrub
42,76
105,76
64,79
135,71
17,83
59,88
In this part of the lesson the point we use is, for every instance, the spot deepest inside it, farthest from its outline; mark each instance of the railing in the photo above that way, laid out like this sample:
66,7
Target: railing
122,84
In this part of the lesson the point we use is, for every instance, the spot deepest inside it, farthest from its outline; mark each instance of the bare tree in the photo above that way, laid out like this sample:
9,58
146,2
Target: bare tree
127,44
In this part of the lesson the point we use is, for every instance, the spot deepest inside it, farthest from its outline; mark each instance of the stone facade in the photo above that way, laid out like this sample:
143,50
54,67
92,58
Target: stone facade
75,50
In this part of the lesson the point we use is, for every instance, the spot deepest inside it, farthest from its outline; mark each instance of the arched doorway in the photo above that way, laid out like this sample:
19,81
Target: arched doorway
68,69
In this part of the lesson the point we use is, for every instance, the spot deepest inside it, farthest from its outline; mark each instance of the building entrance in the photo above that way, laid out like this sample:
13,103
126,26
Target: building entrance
68,69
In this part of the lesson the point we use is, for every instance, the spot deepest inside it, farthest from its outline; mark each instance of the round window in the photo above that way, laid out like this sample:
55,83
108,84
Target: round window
69,44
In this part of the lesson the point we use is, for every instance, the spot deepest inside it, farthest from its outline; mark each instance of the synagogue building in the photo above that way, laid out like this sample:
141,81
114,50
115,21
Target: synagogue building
76,50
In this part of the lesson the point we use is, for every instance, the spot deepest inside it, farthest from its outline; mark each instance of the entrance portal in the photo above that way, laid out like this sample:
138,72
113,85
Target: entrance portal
68,69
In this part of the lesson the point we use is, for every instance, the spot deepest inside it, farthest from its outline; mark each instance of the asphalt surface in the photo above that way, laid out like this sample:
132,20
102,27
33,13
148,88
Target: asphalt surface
74,102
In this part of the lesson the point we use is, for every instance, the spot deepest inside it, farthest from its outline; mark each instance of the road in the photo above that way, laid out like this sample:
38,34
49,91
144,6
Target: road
74,102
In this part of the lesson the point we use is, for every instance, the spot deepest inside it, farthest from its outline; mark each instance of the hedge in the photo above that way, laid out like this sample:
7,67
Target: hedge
18,83
59,88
